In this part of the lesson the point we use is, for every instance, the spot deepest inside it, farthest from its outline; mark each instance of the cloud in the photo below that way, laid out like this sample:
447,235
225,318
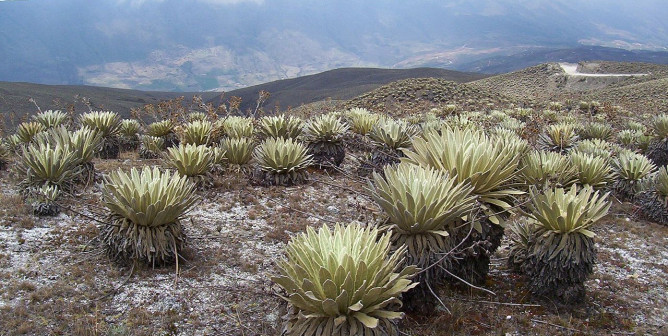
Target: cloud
136,3
231,2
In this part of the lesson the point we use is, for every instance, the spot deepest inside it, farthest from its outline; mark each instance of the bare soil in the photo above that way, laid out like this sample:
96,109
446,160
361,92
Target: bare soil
57,280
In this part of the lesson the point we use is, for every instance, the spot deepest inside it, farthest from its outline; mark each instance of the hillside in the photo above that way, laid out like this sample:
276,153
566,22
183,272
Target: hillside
528,85
548,81
414,93
339,84
645,97
14,98
505,64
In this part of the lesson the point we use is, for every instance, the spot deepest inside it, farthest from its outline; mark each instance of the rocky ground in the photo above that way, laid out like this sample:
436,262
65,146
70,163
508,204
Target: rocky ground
56,279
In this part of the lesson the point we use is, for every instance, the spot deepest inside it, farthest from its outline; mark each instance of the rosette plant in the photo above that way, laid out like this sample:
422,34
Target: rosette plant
282,162
129,134
653,200
234,127
657,150
546,169
84,143
563,254
238,151
392,134
490,167
324,135
164,129
197,116
26,131
151,147
45,164
191,161
43,200
51,118
424,206
591,170
596,147
390,137
628,138
506,138
596,130
197,132
280,126
558,138
361,120
523,233
343,282
108,124
513,124
629,169
146,209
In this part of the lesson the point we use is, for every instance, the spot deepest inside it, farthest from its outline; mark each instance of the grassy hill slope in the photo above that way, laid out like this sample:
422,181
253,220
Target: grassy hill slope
339,84
548,81
505,64
423,93
14,98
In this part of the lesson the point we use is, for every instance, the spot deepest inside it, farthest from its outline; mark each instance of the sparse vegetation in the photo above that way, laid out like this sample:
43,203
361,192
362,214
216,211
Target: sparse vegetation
445,203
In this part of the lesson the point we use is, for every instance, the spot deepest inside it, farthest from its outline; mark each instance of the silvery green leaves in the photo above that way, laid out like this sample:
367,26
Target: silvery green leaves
146,208
562,255
51,118
238,151
324,135
197,132
191,160
106,122
470,155
148,197
343,282
572,211
282,161
42,163
280,126
629,169
423,205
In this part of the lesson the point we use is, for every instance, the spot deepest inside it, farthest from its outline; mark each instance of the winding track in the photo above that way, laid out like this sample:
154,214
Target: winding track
571,69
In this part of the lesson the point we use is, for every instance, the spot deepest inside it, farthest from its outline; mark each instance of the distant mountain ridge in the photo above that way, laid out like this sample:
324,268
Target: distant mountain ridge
200,45
504,64
340,84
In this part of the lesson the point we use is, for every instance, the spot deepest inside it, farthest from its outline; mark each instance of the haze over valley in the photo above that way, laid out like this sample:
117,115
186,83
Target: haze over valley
201,45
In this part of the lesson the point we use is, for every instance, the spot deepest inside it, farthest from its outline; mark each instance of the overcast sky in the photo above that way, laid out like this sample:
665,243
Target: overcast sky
70,40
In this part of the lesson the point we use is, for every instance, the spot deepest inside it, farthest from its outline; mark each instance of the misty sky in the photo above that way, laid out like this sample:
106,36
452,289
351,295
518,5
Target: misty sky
237,42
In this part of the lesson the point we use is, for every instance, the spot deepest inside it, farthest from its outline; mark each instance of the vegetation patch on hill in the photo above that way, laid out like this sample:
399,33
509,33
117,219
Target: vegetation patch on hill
417,94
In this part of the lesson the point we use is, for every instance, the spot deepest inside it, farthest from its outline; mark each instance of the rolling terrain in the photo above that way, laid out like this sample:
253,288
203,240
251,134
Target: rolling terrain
549,81
58,277
15,98
532,57
340,84
383,89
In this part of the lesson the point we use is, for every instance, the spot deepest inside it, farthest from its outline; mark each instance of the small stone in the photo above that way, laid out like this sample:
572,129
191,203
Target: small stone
332,209
508,317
